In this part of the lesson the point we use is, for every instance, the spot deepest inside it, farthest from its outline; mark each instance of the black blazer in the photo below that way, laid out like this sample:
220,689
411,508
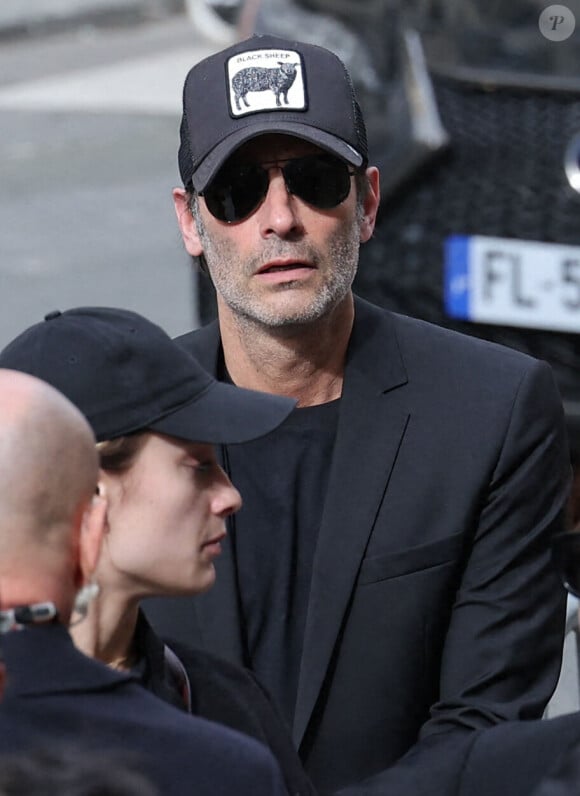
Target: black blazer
57,695
433,606
220,691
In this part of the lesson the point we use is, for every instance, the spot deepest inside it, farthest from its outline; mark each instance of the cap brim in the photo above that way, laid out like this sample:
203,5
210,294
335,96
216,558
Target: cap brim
224,414
211,164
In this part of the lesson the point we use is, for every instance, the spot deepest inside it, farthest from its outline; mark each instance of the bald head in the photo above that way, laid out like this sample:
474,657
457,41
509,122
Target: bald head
48,473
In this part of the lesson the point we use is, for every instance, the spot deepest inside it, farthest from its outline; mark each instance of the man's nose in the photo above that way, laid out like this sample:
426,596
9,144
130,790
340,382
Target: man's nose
279,212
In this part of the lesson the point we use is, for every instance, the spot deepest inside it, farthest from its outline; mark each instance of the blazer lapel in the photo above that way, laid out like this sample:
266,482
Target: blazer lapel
371,426
218,610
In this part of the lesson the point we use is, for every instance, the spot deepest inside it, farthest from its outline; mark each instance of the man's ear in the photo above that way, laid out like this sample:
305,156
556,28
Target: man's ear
91,533
371,204
186,222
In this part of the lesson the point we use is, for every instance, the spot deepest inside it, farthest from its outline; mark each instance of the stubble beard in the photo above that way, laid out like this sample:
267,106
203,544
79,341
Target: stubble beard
225,266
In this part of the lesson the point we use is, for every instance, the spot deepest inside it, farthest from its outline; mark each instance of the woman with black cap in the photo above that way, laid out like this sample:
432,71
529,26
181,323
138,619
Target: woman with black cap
156,415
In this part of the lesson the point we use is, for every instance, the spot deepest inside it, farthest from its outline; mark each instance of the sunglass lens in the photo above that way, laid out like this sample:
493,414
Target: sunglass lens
236,192
320,180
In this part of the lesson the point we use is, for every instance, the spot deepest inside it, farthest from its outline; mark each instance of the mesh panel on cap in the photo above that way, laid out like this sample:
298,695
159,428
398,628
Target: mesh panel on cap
184,158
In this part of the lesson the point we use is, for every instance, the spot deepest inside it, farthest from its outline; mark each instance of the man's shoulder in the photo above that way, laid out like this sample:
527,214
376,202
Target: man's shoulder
160,716
201,745
437,343
132,719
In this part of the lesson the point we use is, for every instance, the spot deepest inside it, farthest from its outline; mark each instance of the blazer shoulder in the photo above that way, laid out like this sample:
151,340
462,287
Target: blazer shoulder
433,336
414,335
459,352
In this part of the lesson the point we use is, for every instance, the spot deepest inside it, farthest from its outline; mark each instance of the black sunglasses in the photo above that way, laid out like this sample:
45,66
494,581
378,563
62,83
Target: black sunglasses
566,559
238,189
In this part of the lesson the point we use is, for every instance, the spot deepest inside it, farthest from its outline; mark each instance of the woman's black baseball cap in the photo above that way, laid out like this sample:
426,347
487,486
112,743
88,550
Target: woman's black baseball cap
126,374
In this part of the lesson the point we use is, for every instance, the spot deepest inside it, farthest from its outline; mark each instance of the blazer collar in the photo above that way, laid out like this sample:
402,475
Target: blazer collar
205,345
43,660
373,351
373,359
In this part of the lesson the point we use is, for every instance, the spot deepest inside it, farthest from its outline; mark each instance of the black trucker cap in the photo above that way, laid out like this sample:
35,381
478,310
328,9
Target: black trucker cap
126,374
266,84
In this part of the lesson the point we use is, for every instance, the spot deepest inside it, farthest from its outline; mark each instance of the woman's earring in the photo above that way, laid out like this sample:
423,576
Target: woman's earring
83,599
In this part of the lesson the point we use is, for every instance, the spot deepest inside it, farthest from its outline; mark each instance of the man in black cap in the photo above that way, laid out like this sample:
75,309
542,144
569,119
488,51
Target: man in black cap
51,528
388,577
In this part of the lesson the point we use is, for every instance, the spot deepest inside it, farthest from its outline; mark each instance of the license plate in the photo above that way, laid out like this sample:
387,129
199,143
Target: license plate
513,282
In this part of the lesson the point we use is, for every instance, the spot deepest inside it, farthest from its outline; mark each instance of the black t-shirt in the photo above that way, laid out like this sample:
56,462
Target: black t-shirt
282,478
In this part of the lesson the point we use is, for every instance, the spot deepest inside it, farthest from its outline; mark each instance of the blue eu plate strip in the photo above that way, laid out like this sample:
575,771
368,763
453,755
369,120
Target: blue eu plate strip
456,277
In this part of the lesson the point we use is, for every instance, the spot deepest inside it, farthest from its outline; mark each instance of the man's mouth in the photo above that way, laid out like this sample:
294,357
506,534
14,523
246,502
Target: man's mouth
273,268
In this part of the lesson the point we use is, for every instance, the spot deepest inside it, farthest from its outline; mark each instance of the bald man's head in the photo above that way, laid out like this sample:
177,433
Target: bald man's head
48,472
